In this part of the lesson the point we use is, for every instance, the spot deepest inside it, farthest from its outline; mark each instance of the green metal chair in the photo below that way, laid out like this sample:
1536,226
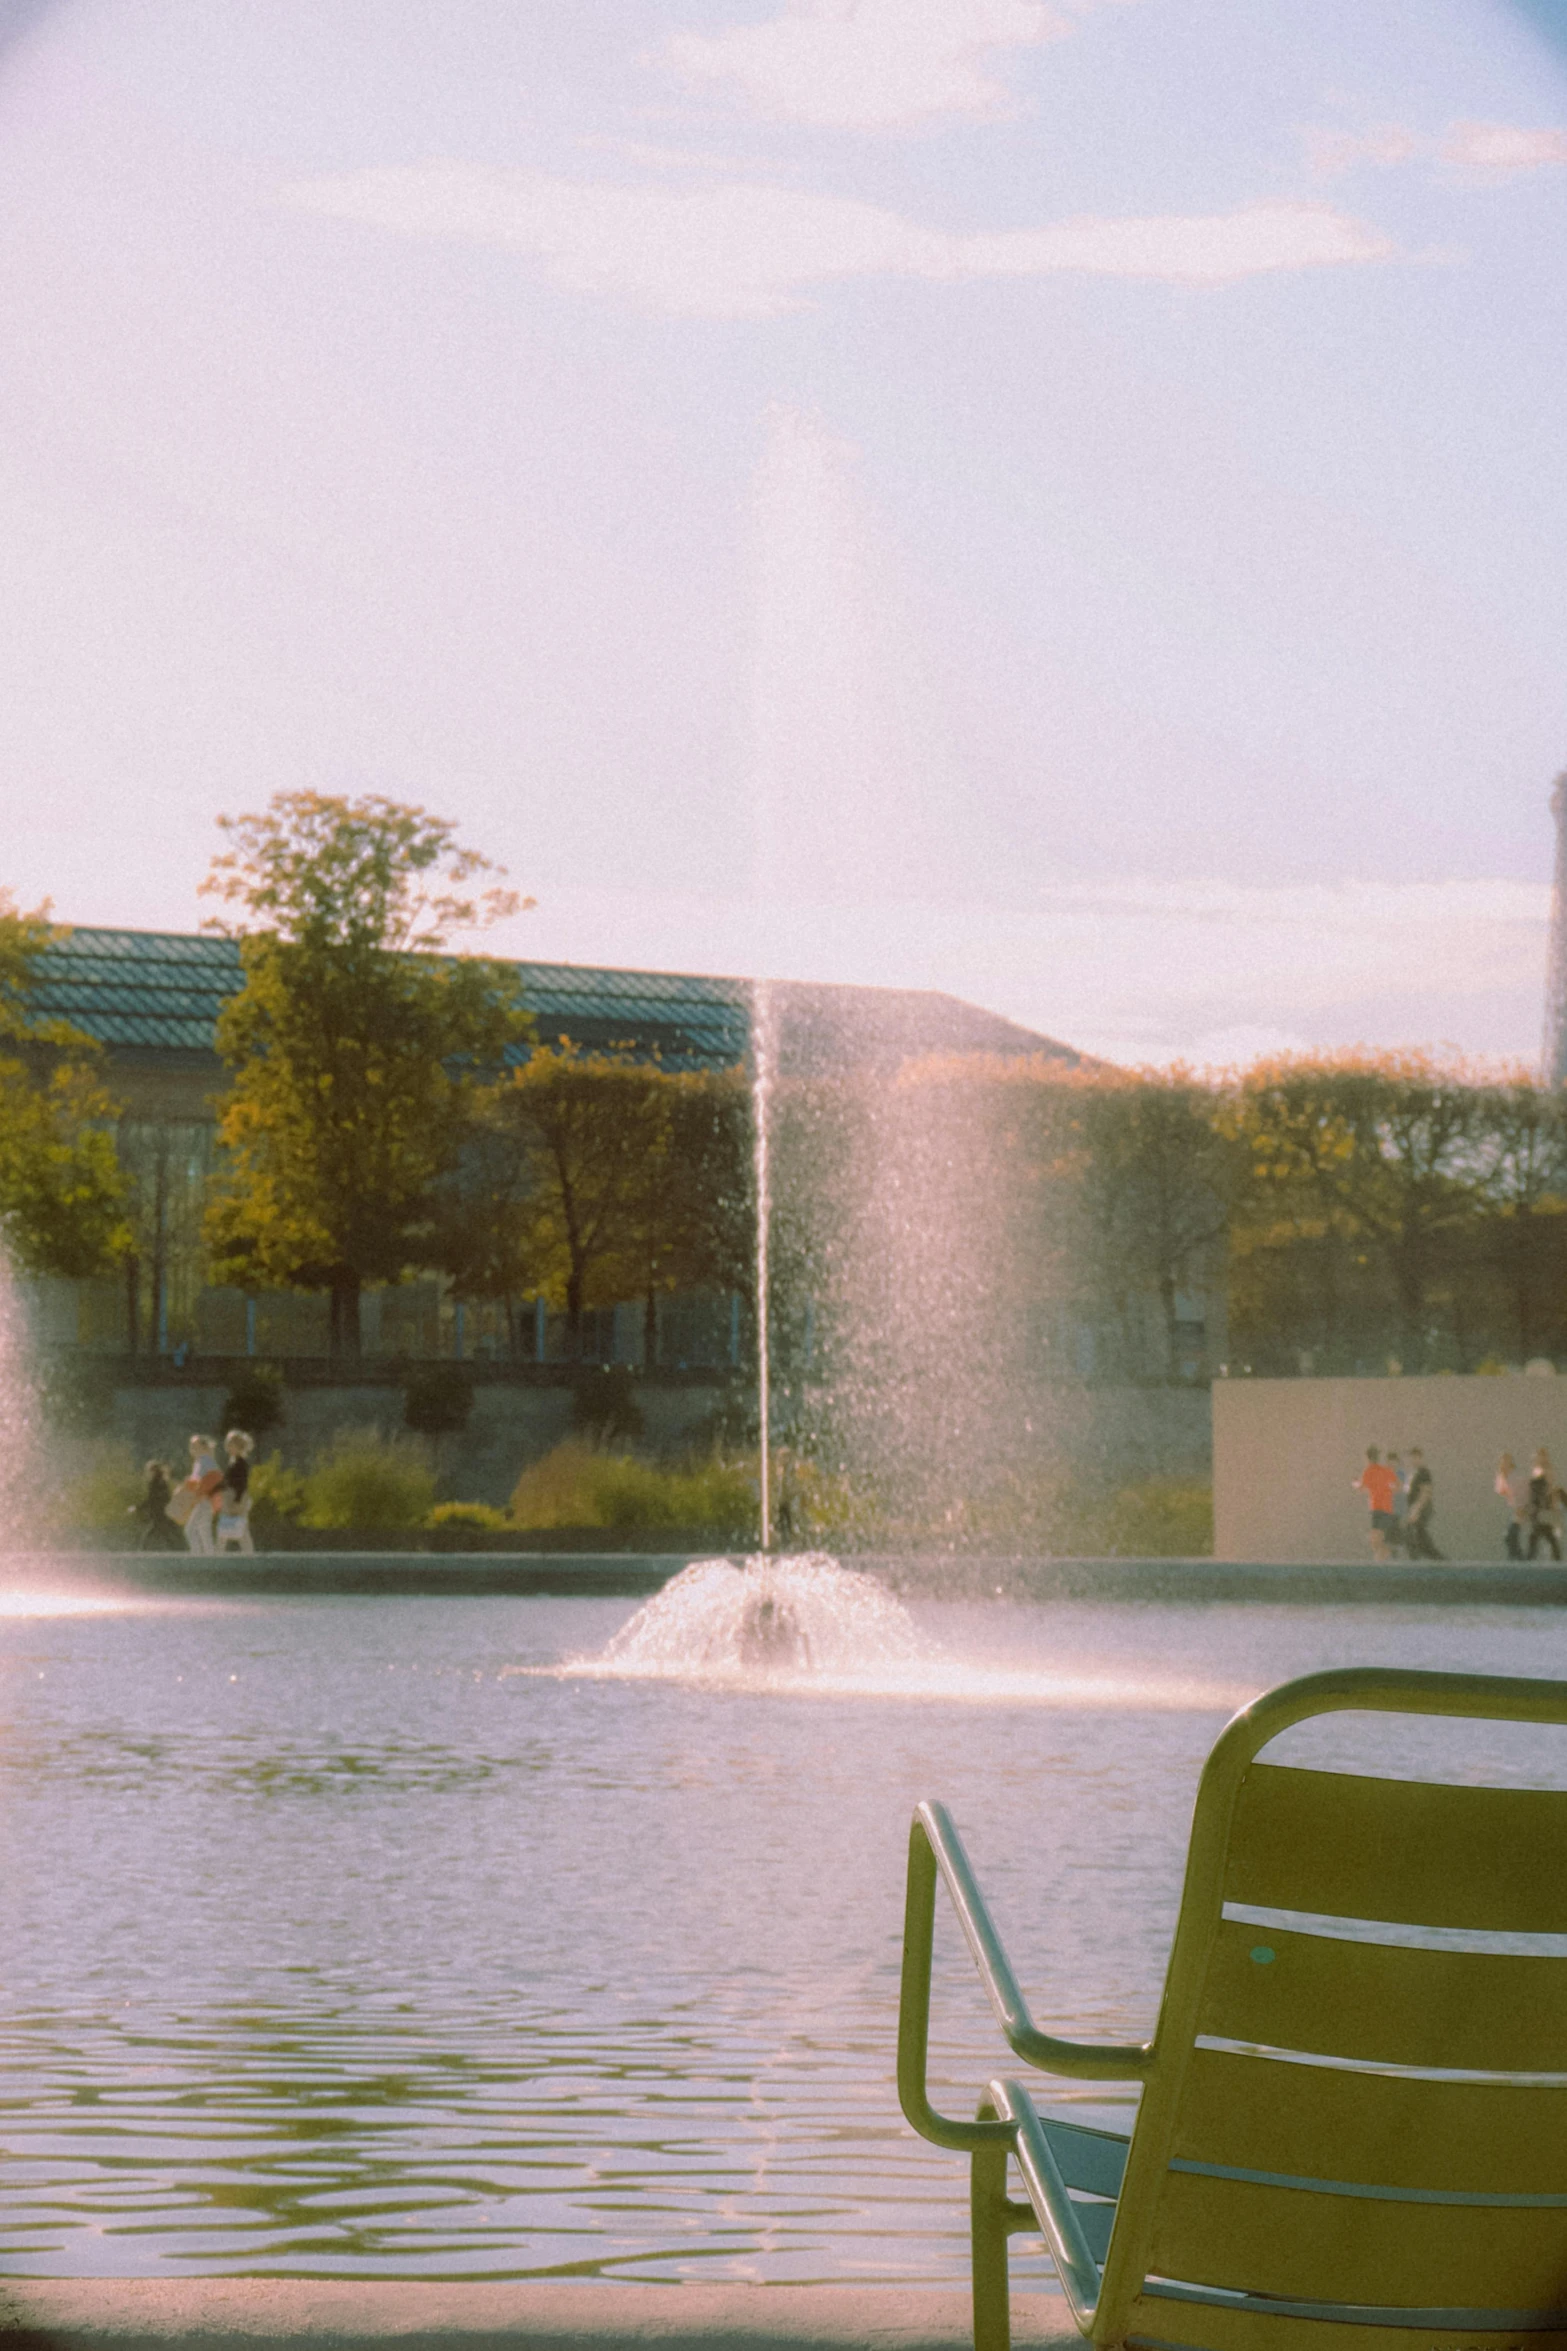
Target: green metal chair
1344,2126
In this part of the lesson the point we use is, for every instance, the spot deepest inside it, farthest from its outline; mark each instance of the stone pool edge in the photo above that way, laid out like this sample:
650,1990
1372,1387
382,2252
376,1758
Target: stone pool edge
302,2314
928,1576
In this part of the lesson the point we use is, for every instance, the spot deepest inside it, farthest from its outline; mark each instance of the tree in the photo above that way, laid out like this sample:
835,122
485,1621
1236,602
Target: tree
62,1191
1379,1156
167,1167
589,1132
598,1177
1523,1132
690,1211
1158,1177
362,1054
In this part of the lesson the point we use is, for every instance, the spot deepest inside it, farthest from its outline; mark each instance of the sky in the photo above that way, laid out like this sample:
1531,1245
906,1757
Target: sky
1057,500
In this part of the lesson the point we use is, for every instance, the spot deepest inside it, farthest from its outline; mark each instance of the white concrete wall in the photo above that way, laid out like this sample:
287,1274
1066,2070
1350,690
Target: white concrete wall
1286,1454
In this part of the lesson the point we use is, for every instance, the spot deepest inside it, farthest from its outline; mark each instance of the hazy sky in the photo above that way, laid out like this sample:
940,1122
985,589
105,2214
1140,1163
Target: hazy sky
1062,500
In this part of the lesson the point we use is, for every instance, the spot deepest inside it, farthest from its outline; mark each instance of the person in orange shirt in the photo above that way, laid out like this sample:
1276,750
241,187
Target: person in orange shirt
1379,1484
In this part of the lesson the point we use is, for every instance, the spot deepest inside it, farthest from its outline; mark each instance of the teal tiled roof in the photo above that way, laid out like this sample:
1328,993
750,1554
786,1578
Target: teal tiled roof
160,992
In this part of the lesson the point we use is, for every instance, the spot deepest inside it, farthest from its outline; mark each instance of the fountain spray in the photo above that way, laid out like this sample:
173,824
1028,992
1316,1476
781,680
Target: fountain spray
762,1056
20,1435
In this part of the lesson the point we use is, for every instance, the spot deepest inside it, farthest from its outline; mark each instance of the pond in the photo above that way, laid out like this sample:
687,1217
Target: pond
350,1937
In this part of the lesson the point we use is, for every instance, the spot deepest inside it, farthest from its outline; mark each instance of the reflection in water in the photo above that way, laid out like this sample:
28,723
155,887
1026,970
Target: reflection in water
62,1600
333,1945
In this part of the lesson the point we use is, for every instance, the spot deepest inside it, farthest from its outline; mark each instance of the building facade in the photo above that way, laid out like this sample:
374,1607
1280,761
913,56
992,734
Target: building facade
151,1000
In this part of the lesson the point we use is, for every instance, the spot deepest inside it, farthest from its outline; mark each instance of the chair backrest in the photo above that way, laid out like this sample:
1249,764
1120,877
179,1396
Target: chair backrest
1359,2099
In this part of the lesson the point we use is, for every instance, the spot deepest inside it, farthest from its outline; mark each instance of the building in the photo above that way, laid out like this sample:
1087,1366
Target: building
152,999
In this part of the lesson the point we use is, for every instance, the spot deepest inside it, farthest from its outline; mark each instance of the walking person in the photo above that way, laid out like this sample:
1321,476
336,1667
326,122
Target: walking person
191,1507
1398,1538
1544,1526
1420,1509
1379,1484
233,1496
156,1533
1513,1490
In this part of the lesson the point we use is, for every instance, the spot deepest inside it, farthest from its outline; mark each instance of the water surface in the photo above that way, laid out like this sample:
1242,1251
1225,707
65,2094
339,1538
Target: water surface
335,1945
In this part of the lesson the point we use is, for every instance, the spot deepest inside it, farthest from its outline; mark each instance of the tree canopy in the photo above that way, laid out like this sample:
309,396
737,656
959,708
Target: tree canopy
362,1055
600,1177
62,1192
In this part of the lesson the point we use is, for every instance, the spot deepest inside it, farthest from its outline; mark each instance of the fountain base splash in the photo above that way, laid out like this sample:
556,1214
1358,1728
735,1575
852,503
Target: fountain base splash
804,1625
774,1619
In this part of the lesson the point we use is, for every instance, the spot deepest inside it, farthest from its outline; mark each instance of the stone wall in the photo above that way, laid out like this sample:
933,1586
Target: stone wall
1118,1434
511,1424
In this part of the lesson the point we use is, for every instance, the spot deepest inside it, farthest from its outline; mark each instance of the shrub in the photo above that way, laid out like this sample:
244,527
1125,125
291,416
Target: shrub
1159,1518
478,1515
437,1398
577,1487
255,1402
77,1394
812,1504
277,1495
363,1479
102,1487
604,1406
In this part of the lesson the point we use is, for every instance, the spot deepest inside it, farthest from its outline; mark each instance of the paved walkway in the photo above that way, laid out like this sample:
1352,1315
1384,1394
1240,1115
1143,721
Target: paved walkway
296,2314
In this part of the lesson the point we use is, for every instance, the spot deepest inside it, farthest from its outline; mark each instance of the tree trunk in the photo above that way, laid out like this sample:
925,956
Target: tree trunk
513,1344
1409,1275
574,1314
160,1270
132,1304
345,1340
1172,1333
1524,1288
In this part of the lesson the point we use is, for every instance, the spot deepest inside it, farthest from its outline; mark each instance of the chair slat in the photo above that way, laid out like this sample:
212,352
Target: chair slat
1088,2159
1096,2222
1213,2327
1378,2130
1286,2241
1499,2012
1404,1850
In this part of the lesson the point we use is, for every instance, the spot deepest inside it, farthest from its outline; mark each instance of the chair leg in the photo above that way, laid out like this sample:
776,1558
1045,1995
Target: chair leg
990,2211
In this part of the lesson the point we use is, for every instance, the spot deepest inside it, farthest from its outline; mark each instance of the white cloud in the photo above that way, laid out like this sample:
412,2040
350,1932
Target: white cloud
750,250
869,65
1502,147
1382,145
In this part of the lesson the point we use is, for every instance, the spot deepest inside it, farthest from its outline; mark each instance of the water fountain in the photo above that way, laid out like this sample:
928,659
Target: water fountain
774,1619
762,1068
20,1436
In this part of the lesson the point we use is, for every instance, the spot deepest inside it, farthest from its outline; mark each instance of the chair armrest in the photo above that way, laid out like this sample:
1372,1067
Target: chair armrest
1053,2207
935,1848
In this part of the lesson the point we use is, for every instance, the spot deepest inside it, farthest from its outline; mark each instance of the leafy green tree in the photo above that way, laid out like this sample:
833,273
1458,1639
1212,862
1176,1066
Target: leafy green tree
1158,1180
62,1192
598,1177
588,1130
690,1211
1381,1160
1522,1128
167,1167
490,1237
362,1054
